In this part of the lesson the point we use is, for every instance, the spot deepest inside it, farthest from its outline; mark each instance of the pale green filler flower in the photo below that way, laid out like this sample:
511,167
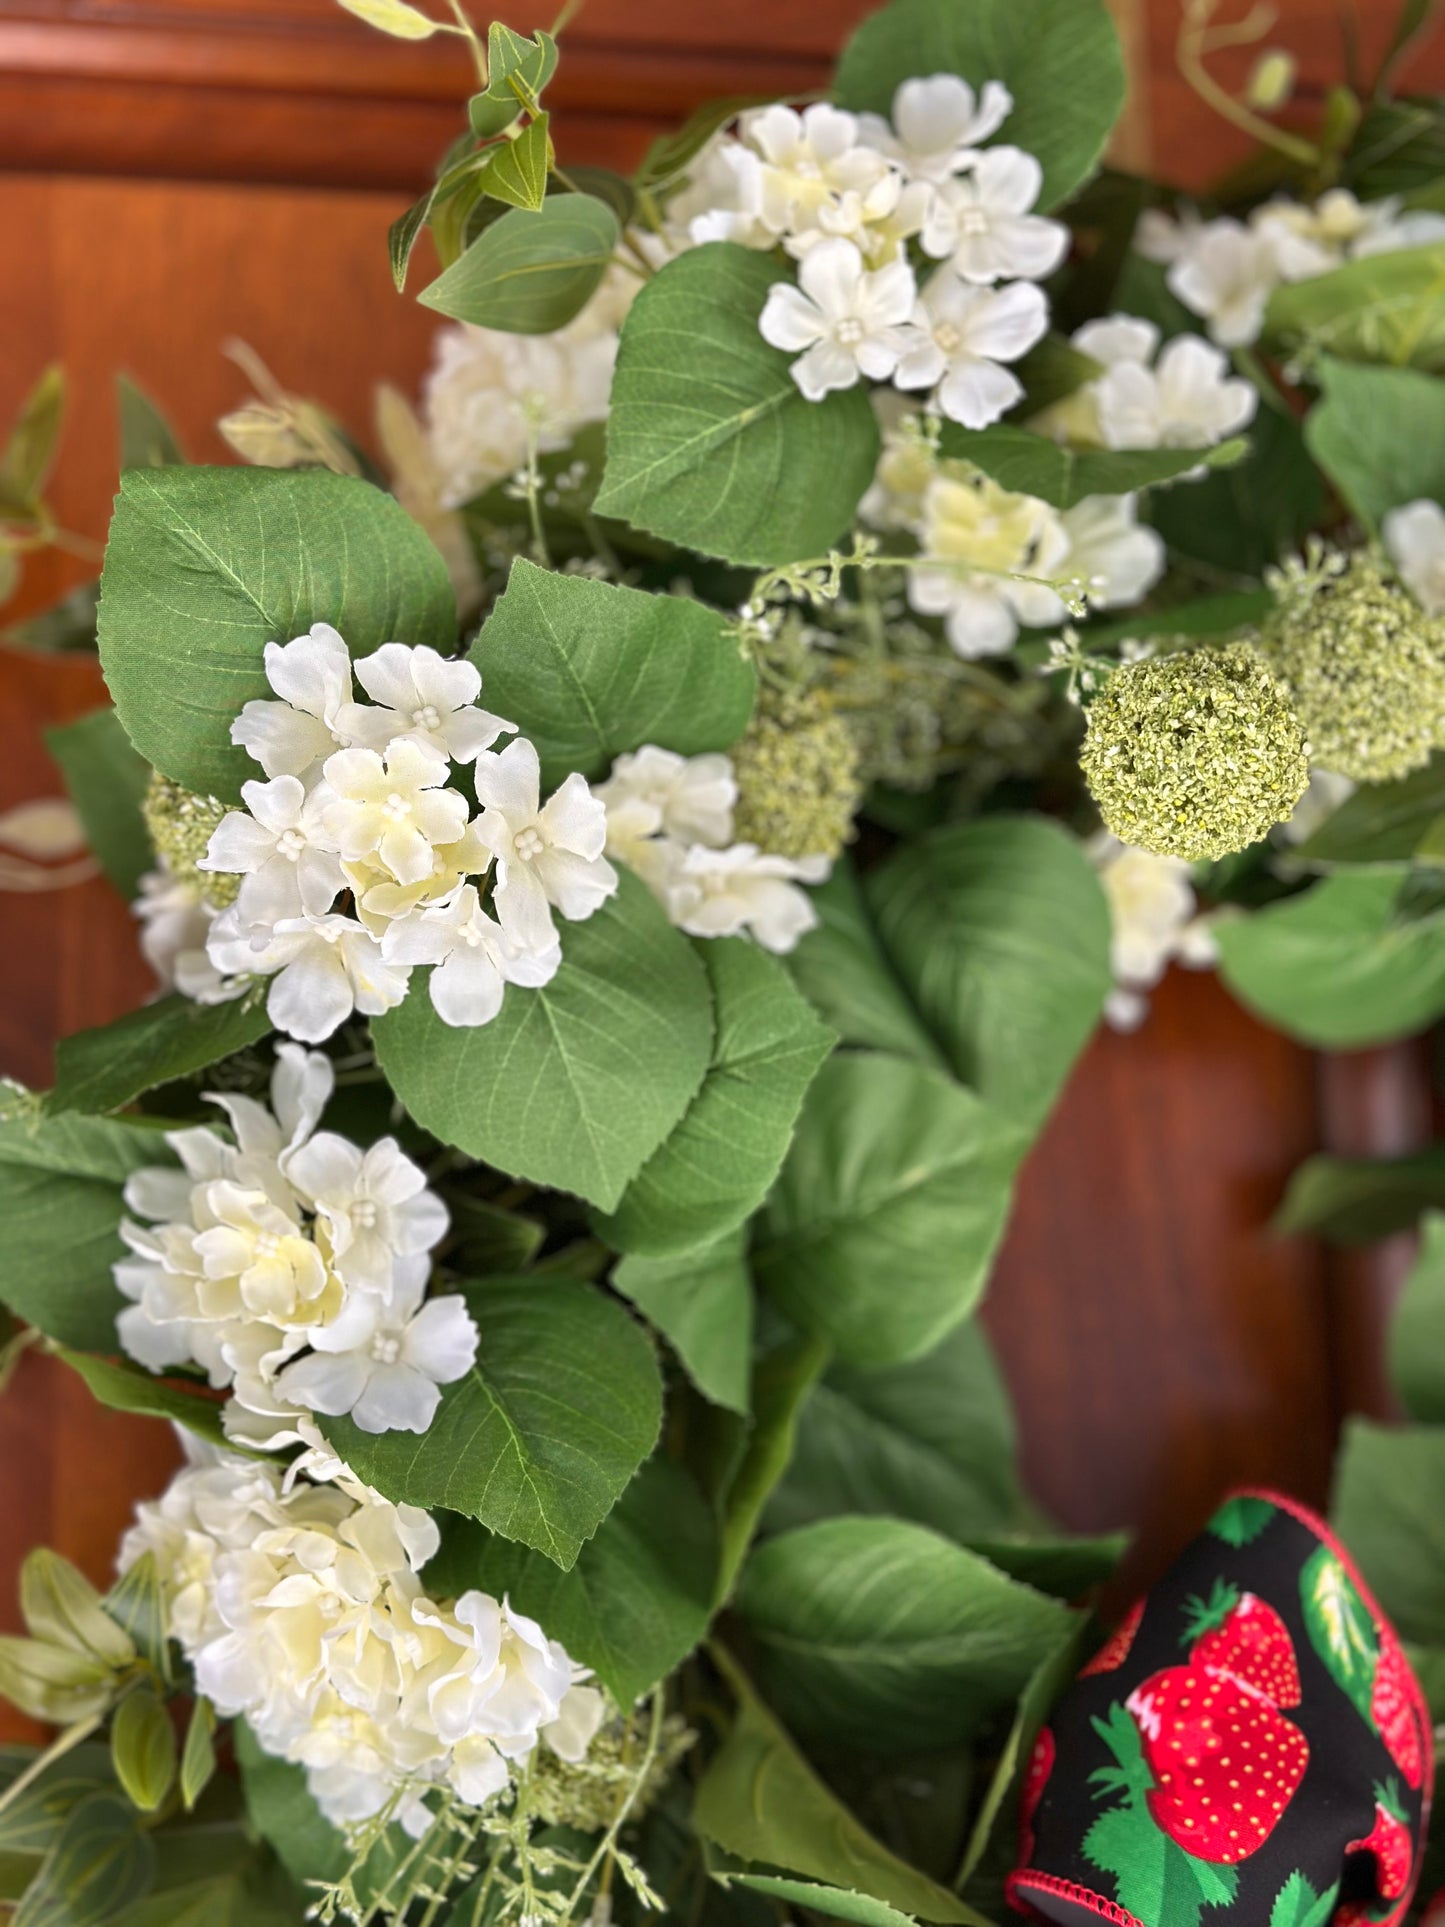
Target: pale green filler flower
588,1793
1194,755
797,777
180,825
1363,663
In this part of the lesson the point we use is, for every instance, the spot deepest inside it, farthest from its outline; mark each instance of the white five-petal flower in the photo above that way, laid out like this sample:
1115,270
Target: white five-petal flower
984,221
324,968
385,1362
474,957
720,893
280,844
937,123
546,856
843,321
422,697
1414,537
394,806
375,1204
964,333
312,676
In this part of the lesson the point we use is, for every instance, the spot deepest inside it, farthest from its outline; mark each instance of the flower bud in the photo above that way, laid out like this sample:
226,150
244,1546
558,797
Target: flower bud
180,825
62,1608
53,1684
1271,83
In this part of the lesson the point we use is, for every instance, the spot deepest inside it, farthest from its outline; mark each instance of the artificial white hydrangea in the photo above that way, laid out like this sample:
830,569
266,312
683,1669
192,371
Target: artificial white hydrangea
360,858
843,321
1180,396
283,1241
1414,538
302,1609
670,820
1154,921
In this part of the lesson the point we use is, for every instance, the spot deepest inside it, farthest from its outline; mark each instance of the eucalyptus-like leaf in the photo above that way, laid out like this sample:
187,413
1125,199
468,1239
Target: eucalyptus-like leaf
143,1747
198,1755
106,1068
394,17
55,1684
531,272
137,1604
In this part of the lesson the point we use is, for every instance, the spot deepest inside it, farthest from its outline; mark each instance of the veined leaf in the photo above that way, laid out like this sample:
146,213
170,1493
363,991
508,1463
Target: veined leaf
531,272
1030,464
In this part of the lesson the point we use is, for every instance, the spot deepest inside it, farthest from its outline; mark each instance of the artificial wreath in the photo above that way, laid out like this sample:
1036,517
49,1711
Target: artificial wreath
630,874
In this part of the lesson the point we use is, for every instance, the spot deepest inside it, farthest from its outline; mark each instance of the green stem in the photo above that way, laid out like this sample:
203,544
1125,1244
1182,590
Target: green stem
71,1737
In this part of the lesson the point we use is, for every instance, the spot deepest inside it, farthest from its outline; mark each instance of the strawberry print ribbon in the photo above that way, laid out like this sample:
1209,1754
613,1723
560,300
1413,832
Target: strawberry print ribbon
1250,1745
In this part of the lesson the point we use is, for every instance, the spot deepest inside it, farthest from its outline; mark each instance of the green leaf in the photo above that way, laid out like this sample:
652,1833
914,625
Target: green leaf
838,1903
1031,464
842,968
198,1756
709,433
1000,933
1381,822
60,1196
485,1239
519,66
251,1891
1379,434
1389,1508
128,1388
205,566
638,1599
395,17
530,273
574,1085
932,1441
880,1634
107,784
403,235
59,1605
1244,517
147,439
137,1604
29,453
280,1807
1333,967
105,1068
52,1683
759,1799
518,174
1357,1200
591,671
782,1380
143,1747
714,1169
1240,1521
702,1303
1156,1879
1298,1905
885,1218
1417,1330
540,1438
1340,1625
1059,59
101,1863
1383,308
31,1823
1065,1568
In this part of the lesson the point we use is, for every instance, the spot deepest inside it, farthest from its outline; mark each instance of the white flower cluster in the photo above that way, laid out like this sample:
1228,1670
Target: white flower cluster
1414,537
991,560
301,1611
1154,921
175,925
1225,270
845,194
358,800
293,1266
1182,396
670,819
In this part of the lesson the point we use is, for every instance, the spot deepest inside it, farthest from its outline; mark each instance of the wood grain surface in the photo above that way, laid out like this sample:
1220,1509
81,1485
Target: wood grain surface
1160,1341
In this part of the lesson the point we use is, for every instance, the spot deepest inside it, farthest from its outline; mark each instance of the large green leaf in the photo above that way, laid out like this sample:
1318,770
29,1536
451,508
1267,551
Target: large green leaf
755,1456
1389,1509
1417,1331
1000,932
931,1441
1333,967
540,1438
887,1213
126,1388
1381,822
760,1800
1379,434
103,1069
280,1807
107,783
205,566
880,1634
60,1197
1031,464
1384,308
590,670
574,1085
709,435
101,1862
1059,59
714,1169
530,272
1244,517
847,975
639,1597
1357,1200
702,1303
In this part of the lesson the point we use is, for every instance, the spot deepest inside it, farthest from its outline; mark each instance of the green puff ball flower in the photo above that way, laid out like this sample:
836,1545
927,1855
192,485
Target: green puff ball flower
1194,755
180,825
1363,663
587,1793
797,777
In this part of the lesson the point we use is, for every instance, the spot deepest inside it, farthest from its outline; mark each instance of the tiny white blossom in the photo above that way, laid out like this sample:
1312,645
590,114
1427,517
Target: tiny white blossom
964,334
1154,920
689,797
1187,398
1114,557
281,847
1227,274
978,542
722,893
843,321
175,921
474,958
384,1362
375,1205
312,676
808,159
937,123
1414,537
983,220
324,968
545,856
393,805
420,696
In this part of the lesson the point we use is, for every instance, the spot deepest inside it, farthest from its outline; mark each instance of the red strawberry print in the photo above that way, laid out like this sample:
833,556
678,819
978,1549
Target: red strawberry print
1225,1762
1041,1765
1234,1632
1393,1710
1389,1842
1115,1649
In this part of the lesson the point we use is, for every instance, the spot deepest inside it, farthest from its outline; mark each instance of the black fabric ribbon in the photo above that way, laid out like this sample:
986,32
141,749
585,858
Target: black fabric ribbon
1250,1748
